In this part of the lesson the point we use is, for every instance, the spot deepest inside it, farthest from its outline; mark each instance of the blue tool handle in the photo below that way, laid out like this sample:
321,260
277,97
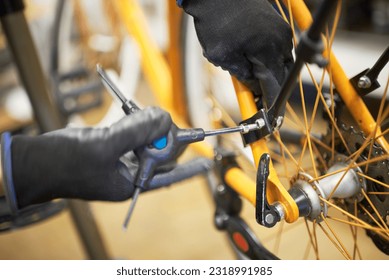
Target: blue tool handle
160,143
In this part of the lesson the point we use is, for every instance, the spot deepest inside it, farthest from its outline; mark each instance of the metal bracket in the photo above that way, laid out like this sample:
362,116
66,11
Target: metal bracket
366,81
260,118
362,84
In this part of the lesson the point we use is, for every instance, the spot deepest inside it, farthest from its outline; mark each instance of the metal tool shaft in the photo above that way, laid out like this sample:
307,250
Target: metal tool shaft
109,84
132,207
223,131
243,128
128,107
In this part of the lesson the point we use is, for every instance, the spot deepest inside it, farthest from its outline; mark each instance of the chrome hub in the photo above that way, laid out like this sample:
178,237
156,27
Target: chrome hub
342,182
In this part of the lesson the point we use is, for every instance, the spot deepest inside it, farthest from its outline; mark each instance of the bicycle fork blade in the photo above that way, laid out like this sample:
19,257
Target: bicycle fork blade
131,209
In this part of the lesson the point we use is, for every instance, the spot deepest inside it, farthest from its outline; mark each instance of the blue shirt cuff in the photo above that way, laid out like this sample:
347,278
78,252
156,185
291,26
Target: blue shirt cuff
6,160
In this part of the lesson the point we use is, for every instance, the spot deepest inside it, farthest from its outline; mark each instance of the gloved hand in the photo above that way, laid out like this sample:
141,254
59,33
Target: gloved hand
246,37
84,162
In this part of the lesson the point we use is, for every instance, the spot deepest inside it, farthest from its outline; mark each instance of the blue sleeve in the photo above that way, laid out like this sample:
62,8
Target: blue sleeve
6,162
179,2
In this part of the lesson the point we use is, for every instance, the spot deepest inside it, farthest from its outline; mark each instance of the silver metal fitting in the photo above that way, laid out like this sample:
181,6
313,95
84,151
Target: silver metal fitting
221,189
260,123
364,82
246,128
279,121
270,218
279,209
341,184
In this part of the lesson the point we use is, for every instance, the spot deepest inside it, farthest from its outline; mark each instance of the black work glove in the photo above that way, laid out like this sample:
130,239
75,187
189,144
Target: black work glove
248,38
84,162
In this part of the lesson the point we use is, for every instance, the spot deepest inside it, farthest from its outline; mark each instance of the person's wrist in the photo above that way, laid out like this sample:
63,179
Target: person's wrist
6,164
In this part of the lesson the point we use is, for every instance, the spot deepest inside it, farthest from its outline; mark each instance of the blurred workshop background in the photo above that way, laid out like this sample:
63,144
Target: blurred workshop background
171,223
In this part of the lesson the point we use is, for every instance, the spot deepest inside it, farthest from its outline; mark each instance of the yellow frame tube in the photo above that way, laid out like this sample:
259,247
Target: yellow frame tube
154,65
175,60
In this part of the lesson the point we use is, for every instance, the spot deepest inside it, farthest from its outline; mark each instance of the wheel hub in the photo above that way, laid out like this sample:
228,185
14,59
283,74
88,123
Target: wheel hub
378,171
341,182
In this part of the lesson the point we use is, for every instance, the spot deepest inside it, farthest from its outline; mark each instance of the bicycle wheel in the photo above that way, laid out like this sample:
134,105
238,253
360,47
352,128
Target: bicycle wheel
84,34
319,138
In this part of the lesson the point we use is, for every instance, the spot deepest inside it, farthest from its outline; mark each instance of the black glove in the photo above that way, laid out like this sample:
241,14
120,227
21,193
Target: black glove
83,162
246,37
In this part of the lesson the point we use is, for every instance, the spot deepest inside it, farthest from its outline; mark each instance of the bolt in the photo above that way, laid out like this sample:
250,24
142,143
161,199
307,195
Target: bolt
253,126
221,189
269,218
260,123
364,82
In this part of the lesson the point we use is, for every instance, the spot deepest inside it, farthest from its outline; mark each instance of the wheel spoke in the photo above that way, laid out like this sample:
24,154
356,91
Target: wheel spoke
283,158
307,129
313,242
374,181
295,119
353,165
360,223
375,211
281,143
279,235
339,243
354,233
307,250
